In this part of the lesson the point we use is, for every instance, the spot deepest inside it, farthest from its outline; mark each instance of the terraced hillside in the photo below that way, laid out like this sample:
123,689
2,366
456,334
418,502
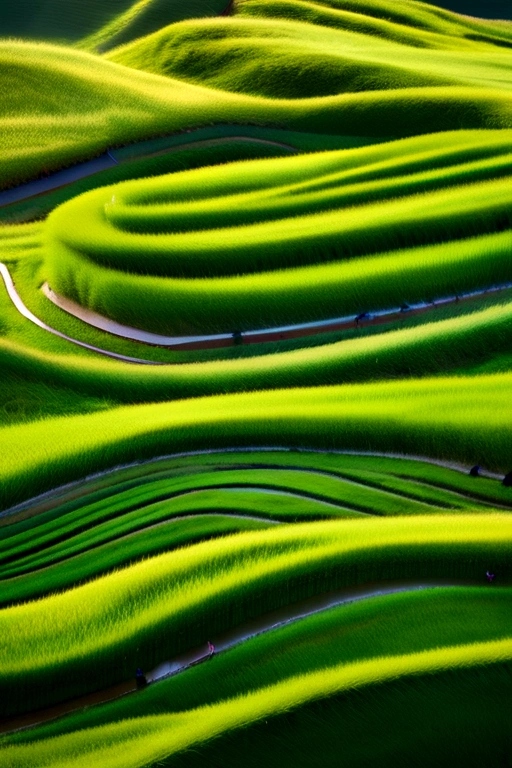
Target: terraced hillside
256,375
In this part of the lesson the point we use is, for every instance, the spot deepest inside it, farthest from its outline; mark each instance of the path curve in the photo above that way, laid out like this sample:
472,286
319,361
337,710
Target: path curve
227,640
210,342
276,333
74,487
28,315
67,176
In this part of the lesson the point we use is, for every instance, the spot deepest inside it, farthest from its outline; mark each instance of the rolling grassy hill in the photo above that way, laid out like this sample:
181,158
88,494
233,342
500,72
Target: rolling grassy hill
303,501
97,24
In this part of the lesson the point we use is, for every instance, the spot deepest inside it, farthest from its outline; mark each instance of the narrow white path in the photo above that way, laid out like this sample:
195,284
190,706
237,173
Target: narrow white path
276,333
268,334
28,315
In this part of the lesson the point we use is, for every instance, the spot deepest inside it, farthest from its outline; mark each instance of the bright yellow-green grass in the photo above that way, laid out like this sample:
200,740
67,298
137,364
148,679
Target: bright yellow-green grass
152,739
169,603
420,210
450,75
407,21
468,419
429,348
288,59
149,253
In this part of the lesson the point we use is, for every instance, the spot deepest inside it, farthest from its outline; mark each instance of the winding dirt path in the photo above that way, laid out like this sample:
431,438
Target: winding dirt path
227,640
77,488
67,176
277,333
219,340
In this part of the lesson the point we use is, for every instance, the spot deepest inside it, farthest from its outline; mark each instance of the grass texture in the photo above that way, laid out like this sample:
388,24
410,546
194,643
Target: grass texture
284,162
94,24
453,74
133,513
378,226
312,644
450,418
129,613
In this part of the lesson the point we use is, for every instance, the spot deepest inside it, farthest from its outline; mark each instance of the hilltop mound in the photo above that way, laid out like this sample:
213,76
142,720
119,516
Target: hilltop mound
97,23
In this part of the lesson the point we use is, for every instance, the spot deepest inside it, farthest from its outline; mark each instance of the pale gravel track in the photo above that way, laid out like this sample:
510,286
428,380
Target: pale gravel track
206,341
276,333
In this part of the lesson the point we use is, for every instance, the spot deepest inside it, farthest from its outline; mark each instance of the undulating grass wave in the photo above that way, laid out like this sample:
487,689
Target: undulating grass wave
458,77
355,635
165,505
461,418
387,131
285,240
172,602
94,24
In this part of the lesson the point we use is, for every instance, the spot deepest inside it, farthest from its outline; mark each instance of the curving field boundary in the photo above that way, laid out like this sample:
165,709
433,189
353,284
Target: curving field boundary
78,488
67,176
213,341
262,335
228,640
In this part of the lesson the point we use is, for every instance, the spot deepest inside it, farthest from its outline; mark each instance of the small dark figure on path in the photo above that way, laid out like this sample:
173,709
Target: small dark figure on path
507,480
490,577
475,471
211,649
140,678
237,337
362,316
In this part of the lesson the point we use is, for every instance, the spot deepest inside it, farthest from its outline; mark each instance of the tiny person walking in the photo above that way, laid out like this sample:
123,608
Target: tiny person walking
140,678
490,577
211,649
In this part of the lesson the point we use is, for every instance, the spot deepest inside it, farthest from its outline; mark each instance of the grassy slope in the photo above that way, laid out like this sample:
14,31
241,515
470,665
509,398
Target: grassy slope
453,702
152,609
462,418
101,22
105,105
23,255
452,74
308,645
217,218
291,60
116,522
400,353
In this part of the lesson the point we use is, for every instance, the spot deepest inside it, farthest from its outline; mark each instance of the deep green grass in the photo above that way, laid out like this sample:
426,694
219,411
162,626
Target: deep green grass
133,567
157,608
408,214
460,713
375,627
68,529
27,270
455,418
71,540
426,349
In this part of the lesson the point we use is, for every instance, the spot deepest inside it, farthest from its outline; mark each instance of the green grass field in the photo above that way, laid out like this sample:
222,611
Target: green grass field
299,496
